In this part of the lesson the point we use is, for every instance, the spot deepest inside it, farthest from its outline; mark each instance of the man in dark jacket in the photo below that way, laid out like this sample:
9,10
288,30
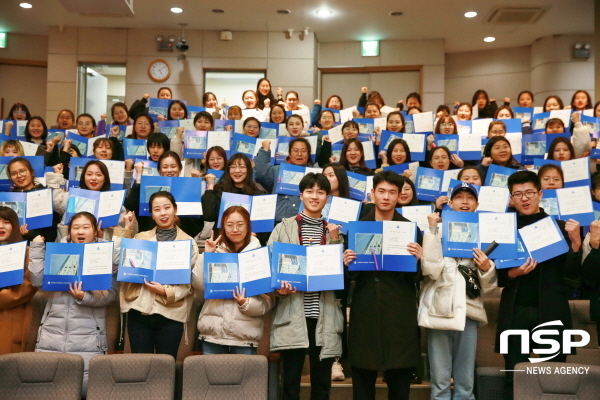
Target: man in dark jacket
591,272
535,293
383,317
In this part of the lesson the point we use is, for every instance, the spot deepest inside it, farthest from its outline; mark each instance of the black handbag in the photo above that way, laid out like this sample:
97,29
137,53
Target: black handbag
472,281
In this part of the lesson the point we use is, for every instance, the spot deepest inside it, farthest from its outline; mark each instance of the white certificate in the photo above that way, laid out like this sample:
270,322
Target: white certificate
469,142
314,170
564,115
187,124
463,129
116,170
30,149
418,214
314,142
575,200
39,203
449,175
254,265
259,143
324,260
249,112
98,259
174,255
346,114
369,150
13,256
218,138
423,122
369,186
540,234
189,208
263,207
344,210
414,141
110,203
335,134
385,110
493,199
396,236
380,123
90,145
515,140
499,227
481,126
576,170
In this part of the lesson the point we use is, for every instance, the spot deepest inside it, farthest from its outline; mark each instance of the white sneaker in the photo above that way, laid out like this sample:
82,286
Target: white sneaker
337,372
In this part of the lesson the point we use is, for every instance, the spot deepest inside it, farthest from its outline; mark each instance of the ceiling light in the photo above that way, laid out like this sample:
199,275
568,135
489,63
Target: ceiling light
396,13
470,14
25,5
324,13
489,39
176,10
284,12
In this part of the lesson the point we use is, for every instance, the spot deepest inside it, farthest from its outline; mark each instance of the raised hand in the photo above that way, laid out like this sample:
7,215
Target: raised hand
524,269
210,246
239,295
286,288
76,289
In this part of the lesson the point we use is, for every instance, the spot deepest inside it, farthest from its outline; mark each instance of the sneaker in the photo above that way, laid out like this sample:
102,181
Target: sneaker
337,372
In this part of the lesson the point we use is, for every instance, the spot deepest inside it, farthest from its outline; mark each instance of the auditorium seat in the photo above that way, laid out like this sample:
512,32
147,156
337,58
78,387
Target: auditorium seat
530,386
138,376
489,380
580,315
40,376
225,377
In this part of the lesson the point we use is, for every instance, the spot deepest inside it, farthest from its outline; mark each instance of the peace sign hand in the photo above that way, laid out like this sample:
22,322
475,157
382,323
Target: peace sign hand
211,245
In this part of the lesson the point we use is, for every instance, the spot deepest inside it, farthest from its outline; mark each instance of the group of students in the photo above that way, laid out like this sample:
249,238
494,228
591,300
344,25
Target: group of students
386,308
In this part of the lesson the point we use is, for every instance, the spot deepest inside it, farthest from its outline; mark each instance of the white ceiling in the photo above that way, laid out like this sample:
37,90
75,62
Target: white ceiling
351,19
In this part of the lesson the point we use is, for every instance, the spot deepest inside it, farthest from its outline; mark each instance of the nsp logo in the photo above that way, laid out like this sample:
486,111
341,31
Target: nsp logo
537,336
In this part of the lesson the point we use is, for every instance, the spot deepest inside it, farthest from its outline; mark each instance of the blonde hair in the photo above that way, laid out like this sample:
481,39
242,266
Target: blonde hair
13,143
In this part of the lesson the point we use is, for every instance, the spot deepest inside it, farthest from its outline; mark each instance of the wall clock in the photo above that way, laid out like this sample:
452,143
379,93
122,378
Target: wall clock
159,70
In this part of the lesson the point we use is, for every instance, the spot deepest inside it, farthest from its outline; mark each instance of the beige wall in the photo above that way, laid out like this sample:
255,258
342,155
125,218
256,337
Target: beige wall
427,53
24,84
289,63
500,72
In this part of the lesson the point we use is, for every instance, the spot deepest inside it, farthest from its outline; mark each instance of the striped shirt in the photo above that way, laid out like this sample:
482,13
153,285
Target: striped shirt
312,232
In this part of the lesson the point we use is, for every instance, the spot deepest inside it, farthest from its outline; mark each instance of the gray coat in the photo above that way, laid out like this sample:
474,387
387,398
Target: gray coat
70,325
288,329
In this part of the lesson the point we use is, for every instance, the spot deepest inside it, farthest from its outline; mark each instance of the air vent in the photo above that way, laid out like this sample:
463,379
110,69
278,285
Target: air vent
99,9
515,15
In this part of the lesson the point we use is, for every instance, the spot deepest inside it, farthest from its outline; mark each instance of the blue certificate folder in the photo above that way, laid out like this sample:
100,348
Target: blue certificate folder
418,149
194,144
329,216
168,263
37,162
557,246
360,185
76,165
185,190
135,148
368,152
299,265
89,263
105,206
29,206
460,235
429,183
522,255
289,178
264,203
497,175
13,256
366,239
224,271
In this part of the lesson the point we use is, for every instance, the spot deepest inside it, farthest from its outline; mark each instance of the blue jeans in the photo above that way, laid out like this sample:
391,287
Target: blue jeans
213,348
452,355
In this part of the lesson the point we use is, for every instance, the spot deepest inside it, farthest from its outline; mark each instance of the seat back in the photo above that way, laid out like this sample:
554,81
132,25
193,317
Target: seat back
580,315
31,376
486,336
582,385
137,376
224,377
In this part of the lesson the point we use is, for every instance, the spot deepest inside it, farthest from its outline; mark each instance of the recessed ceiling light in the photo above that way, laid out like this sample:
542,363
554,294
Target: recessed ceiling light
396,13
324,13
25,5
284,12
489,39
218,11
470,14
176,10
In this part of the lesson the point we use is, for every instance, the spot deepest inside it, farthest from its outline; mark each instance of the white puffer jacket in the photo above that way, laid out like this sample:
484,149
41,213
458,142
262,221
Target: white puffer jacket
443,300
223,321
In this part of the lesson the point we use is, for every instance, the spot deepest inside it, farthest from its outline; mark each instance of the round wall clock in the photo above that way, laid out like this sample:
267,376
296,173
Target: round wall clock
159,70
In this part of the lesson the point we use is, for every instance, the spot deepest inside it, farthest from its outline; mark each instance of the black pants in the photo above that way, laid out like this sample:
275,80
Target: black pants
524,318
397,380
320,370
153,333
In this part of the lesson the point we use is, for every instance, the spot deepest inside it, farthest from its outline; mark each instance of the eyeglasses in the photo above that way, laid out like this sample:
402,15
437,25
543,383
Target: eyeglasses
19,112
529,194
240,167
548,179
144,123
22,172
212,160
232,227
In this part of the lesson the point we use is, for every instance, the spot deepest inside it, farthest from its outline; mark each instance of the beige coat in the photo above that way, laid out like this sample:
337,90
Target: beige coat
175,305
